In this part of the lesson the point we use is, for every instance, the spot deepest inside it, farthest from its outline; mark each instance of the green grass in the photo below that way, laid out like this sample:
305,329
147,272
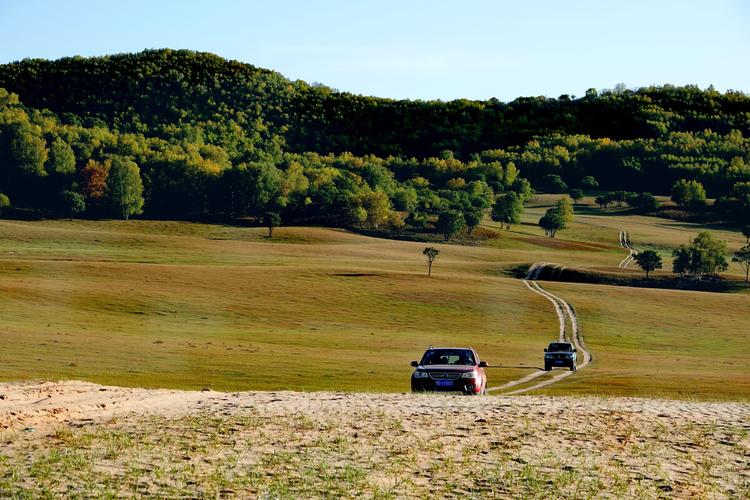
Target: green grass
185,305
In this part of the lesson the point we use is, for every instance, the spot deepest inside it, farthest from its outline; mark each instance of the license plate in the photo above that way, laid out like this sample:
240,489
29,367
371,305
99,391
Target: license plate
558,362
444,383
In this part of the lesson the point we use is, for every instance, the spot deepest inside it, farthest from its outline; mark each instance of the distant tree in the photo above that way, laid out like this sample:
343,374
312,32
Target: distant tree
565,210
4,202
602,201
94,180
431,253
705,256
125,187
449,223
741,191
557,218
405,199
472,217
551,222
378,207
508,209
358,215
61,158
589,182
554,183
648,260
72,203
396,222
746,233
688,194
28,150
523,188
576,195
271,220
742,257
646,202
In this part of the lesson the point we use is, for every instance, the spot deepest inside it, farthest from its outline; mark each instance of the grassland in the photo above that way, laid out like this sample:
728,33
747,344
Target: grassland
184,305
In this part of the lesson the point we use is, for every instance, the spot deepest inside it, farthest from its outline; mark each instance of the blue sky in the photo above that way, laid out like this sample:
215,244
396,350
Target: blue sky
414,49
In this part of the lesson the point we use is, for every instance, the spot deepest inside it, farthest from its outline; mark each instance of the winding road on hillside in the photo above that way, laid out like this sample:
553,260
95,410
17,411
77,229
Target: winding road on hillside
625,243
565,314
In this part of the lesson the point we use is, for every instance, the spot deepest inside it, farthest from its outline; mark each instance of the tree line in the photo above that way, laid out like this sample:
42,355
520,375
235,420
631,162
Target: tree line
213,136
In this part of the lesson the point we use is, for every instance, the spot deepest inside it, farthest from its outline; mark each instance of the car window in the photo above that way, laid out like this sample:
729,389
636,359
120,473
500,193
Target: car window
448,357
560,347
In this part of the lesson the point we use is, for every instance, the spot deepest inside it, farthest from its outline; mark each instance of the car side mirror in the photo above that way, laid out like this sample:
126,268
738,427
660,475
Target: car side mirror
482,364
545,349
415,363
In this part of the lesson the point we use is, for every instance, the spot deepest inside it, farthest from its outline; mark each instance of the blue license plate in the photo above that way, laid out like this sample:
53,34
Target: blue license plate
444,383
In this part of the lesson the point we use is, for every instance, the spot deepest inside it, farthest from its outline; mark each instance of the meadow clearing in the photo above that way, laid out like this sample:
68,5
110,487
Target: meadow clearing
188,305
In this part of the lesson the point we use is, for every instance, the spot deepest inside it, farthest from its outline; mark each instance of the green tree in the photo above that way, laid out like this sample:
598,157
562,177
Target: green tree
431,253
125,187
4,202
705,256
742,257
554,183
551,222
358,215
746,233
472,217
576,195
396,222
649,261
523,188
61,158
72,203
28,150
508,209
645,202
589,182
565,210
688,194
449,223
271,220
377,205
602,201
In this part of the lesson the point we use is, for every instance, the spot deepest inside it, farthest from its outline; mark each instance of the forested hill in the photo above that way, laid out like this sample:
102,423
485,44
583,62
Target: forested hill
151,91
198,134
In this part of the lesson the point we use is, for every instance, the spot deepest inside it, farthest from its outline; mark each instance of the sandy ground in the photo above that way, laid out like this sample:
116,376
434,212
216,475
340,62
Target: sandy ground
80,438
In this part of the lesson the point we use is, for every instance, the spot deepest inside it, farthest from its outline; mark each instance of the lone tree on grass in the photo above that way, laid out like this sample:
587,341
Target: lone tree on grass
508,209
450,223
648,260
431,253
576,195
271,220
745,231
688,194
742,257
557,218
706,256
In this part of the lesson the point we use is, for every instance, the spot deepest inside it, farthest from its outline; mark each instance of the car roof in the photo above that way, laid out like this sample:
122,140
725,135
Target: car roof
449,349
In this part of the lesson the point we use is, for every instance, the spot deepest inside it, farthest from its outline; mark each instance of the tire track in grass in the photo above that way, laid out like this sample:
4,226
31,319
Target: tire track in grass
625,243
564,311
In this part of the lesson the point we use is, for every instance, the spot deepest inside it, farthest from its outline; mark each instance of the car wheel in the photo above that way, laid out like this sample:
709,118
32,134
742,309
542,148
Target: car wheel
572,368
547,367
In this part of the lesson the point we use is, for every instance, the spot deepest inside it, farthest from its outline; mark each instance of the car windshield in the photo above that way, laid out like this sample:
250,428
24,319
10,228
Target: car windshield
554,347
448,357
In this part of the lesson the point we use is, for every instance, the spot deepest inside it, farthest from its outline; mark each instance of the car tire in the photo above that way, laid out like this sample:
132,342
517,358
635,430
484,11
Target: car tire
547,367
572,368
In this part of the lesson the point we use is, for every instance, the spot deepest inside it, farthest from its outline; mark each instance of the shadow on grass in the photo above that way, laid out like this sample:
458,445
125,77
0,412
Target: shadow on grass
573,275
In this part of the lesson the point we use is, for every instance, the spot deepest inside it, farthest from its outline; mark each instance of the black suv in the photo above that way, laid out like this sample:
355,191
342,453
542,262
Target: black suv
449,369
560,354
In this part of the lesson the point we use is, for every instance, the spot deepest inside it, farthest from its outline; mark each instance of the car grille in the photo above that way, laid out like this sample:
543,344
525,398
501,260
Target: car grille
445,375
559,356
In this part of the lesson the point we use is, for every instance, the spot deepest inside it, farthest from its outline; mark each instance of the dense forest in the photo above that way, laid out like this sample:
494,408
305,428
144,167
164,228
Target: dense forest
185,134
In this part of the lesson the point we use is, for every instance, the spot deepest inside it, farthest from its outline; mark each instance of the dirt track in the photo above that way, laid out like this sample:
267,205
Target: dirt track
632,252
565,314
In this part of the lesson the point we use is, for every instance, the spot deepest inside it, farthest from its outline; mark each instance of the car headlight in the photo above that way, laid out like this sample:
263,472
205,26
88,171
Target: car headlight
471,374
420,374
